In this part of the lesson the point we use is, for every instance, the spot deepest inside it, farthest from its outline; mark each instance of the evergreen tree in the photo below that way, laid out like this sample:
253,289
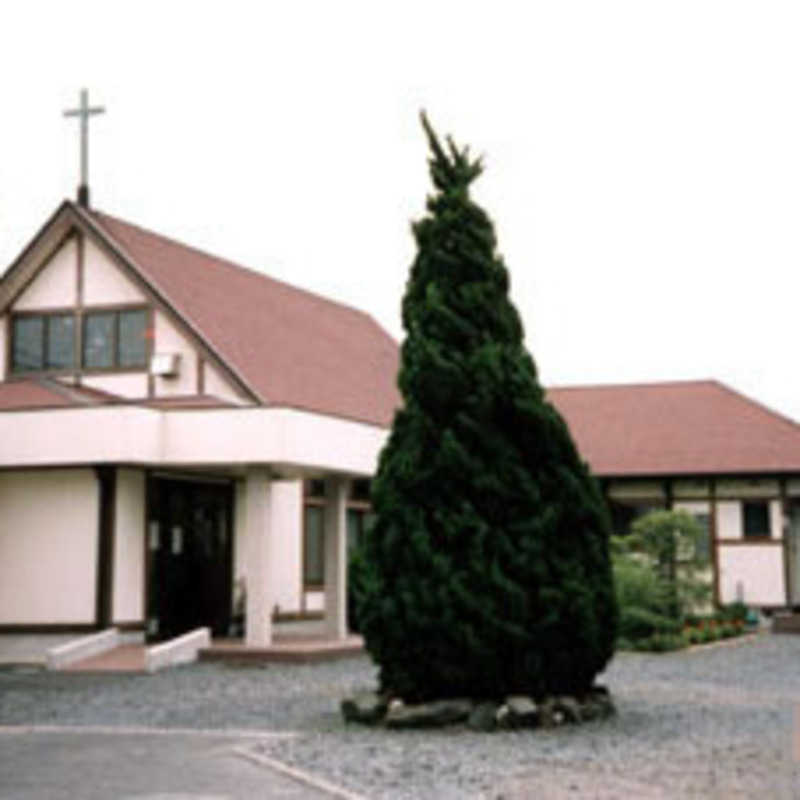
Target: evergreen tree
487,570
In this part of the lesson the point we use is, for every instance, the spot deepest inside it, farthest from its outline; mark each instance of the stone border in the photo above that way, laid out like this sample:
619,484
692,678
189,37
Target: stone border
181,650
79,649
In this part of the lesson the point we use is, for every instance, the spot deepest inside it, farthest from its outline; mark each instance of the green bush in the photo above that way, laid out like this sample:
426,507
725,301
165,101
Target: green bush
640,623
733,612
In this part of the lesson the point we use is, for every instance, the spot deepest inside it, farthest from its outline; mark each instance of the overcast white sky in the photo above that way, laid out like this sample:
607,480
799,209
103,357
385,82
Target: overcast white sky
642,158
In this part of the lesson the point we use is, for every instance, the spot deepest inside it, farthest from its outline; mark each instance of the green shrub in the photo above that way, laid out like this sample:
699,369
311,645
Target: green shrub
733,612
640,623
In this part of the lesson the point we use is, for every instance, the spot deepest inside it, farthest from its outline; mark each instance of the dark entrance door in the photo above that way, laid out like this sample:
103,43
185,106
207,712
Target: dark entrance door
189,541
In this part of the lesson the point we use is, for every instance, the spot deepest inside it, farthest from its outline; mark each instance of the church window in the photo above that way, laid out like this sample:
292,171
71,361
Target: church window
756,519
115,339
42,342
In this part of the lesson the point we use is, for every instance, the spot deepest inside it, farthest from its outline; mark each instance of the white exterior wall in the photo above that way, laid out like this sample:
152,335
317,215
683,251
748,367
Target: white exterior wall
103,281
286,515
48,546
128,596
132,385
56,285
216,385
3,345
729,519
287,519
754,570
170,340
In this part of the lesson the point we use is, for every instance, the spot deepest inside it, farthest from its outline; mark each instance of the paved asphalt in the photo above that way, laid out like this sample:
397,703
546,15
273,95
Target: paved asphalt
70,764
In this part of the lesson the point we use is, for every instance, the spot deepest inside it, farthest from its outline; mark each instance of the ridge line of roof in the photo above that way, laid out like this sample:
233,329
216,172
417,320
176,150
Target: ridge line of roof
637,384
222,261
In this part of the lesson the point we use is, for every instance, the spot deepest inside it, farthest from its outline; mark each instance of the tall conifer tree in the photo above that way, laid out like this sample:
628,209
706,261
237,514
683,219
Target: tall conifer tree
487,570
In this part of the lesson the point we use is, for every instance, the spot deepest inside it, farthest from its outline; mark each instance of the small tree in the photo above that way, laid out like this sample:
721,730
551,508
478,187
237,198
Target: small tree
487,570
659,577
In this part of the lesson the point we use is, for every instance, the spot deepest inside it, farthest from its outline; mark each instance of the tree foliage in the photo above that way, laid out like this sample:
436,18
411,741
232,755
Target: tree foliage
487,570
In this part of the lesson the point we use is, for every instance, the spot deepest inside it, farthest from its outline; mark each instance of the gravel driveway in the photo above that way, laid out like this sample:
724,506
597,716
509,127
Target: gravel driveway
720,722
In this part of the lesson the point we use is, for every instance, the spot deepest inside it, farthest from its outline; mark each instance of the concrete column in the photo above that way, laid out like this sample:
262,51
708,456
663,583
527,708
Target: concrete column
336,490
258,544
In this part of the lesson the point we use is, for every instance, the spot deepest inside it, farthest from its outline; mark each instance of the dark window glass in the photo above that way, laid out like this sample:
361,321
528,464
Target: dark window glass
315,488
704,543
60,342
314,546
756,519
132,339
359,490
98,340
28,344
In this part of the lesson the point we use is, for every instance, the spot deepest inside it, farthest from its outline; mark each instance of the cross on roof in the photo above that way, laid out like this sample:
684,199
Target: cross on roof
84,112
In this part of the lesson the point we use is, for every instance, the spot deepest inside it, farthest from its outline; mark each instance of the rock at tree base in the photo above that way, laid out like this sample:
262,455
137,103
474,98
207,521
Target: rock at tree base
483,717
366,707
522,712
428,715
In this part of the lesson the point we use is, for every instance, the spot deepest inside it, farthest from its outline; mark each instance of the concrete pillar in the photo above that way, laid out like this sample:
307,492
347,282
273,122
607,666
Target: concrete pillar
258,544
336,490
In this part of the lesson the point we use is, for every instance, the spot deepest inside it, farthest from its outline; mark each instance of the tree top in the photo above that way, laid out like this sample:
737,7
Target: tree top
451,168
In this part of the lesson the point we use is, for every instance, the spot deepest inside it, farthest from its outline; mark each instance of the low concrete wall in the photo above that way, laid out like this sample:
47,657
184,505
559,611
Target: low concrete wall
182,650
85,647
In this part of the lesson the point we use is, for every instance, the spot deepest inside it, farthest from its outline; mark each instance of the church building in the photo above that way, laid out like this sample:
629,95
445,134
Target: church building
184,442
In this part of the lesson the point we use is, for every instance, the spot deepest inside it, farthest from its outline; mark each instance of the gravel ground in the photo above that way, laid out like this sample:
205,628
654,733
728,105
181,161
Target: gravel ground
721,722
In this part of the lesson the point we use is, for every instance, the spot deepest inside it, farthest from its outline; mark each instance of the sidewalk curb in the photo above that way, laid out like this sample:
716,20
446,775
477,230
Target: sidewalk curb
296,774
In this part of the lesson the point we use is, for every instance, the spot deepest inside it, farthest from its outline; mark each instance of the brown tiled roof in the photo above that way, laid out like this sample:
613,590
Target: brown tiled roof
693,427
31,393
16,395
291,347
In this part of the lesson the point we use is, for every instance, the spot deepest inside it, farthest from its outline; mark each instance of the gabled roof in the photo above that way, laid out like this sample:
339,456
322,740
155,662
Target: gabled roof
290,347
682,428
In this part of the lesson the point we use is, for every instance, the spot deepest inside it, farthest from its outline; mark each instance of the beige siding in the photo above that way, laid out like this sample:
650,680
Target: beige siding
48,546
104,283
56,285
128,596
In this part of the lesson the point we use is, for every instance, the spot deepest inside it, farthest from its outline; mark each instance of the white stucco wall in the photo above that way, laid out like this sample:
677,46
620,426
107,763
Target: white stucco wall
169,340
132,385
128,597
104,283
56,285
48,546
288,521
218,386
766,487
758,569
287,531
729,519
284,438
3,345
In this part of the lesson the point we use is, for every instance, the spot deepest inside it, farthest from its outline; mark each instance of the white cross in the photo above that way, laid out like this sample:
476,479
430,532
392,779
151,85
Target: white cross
84,112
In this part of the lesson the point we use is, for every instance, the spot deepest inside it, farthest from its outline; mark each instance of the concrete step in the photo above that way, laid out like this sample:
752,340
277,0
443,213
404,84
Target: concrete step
786,623
124,658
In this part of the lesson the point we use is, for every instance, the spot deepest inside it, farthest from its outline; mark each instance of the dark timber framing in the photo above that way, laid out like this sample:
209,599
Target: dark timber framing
107,493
